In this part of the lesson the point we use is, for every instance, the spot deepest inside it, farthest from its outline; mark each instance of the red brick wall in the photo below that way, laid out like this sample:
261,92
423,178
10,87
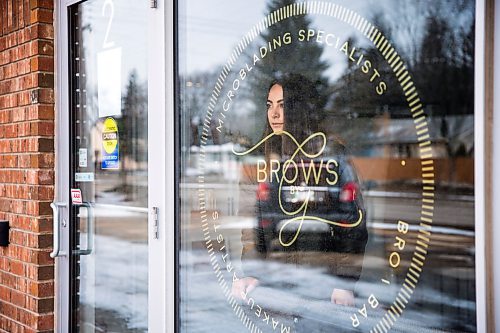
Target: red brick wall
27,164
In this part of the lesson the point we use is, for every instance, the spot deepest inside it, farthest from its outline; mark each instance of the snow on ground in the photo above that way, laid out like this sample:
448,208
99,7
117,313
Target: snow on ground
119,270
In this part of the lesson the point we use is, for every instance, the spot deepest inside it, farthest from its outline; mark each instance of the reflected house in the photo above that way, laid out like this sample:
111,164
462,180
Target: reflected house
218,161
397,137
392,153
221,172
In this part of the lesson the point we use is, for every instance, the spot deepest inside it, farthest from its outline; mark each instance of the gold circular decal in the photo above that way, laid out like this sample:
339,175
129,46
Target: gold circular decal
213,238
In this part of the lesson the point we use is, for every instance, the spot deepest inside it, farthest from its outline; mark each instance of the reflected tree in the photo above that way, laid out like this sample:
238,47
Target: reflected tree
295,57
439,53
195,94
133,129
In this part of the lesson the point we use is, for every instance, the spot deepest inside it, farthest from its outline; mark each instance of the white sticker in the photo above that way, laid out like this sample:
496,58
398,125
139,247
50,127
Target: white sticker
82,157
109,82
84,177
76,196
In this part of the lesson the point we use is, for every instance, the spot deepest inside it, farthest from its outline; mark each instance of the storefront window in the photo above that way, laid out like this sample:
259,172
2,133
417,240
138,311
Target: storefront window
326,178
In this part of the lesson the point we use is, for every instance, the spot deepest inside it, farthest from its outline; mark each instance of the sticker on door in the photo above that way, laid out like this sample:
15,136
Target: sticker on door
82,157
76,196
110,145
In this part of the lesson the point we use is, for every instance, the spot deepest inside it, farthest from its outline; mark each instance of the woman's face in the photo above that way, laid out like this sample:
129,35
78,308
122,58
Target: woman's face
275,108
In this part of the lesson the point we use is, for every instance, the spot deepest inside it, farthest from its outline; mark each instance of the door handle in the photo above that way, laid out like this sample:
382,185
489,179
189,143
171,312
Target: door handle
56,252
90,229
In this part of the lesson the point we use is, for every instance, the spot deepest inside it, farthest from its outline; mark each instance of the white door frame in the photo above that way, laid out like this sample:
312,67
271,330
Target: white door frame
160,152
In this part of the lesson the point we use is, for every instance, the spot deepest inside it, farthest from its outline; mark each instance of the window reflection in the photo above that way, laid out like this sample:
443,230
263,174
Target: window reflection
108,86
242,177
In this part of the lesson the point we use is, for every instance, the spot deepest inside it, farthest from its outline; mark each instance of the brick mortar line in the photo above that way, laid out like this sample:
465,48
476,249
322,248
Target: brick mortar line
26,152
30,57
32,296
35,104
31,280
24,90
30,136
31,312
24,184
28,121
28,105
27,169
18,76
30,232
24,137
28,185
31,72
29,89
30,216
27,41
26,278
48,56
52,105
27,199
36,249
27,263
9,319
21,154
32,25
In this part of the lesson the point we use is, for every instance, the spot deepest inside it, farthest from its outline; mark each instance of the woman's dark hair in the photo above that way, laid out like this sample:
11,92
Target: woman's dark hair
300,115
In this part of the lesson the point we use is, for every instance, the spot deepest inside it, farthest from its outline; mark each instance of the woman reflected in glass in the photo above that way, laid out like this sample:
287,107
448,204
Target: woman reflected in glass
292,117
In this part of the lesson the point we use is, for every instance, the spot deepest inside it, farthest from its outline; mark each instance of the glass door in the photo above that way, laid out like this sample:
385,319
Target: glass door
103,199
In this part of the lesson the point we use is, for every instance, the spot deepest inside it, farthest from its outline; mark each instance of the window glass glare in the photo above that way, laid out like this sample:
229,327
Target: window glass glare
326,166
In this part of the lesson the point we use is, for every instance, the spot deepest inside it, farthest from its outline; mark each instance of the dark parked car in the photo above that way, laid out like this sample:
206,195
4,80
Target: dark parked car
334,218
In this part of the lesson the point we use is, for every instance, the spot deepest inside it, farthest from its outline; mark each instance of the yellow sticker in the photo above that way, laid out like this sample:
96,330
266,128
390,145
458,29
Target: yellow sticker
110,135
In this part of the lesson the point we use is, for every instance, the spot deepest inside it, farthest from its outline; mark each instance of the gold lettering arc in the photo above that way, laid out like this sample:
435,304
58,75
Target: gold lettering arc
303,208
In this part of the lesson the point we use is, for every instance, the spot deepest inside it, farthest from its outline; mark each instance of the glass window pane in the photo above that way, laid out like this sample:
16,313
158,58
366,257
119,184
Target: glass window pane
327,166
109,131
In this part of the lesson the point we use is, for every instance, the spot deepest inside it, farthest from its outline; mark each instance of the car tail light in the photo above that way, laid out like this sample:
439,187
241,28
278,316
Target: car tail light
263,192
264,223
349,192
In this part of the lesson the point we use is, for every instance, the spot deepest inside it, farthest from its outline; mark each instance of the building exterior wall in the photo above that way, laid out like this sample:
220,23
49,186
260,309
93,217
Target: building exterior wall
27,167
27,164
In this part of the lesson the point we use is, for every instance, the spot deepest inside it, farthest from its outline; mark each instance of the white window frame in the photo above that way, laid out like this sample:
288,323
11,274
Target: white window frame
479,166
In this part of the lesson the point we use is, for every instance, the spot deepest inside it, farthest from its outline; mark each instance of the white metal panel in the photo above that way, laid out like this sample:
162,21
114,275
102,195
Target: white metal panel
495,259
62,264
161,167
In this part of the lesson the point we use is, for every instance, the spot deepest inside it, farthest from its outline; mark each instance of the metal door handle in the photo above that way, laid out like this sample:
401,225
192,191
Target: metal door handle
56,252
90,230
